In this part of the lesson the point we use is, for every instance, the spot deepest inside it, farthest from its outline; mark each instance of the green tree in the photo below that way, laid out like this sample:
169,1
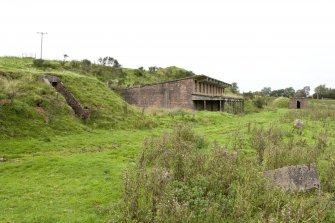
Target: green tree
277,93
266,91
153,69
86,64
320,91
300,93
307,89
289,92
234,88
109,61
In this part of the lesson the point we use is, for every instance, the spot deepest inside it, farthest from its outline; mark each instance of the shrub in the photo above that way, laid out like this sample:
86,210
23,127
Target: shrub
249,106
10,88
38,63
259,102
43,64
75,64
280,102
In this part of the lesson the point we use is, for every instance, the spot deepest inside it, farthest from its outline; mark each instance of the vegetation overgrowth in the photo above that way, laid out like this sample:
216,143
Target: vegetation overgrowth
153,165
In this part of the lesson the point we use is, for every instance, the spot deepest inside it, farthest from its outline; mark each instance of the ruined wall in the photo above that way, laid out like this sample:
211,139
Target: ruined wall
294,103
171,94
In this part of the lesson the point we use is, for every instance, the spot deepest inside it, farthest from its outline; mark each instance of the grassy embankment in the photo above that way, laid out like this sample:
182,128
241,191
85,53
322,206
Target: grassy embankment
60,169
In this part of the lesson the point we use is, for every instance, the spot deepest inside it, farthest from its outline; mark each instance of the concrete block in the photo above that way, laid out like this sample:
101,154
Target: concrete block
295,178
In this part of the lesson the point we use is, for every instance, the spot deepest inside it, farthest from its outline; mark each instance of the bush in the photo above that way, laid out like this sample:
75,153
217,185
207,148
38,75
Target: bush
10,88
259,102
250,107
75,64
43,64
281,102
38,63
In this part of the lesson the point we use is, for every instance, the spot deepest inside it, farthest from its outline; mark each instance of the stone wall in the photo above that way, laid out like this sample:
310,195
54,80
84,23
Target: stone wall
172,94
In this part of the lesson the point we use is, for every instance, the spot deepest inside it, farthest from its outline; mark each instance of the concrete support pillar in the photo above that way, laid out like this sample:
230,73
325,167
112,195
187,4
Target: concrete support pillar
236,106
232,106
240,106
204,105
220,106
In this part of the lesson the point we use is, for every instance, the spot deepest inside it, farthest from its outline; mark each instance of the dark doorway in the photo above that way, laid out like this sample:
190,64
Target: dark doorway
298,104
199,105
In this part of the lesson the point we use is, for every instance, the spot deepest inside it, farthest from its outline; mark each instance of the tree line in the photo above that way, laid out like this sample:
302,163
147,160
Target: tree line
320,92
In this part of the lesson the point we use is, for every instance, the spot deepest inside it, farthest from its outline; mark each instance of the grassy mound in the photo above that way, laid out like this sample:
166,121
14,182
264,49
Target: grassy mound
280,102
30,107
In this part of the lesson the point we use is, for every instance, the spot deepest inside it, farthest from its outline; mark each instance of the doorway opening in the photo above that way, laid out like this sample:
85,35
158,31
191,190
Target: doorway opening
298,104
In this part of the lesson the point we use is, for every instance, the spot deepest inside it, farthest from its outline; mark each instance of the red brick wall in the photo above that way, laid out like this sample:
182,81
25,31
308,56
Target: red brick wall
293,102
174,94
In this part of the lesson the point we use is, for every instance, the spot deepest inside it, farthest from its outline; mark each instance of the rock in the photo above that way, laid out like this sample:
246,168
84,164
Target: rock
298,124
2,159
295,178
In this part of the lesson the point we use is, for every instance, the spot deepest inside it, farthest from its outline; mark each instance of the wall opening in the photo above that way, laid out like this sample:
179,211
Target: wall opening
199,105
298,104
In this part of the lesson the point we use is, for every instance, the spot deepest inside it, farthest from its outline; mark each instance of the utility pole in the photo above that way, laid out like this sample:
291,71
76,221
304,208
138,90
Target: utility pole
42,33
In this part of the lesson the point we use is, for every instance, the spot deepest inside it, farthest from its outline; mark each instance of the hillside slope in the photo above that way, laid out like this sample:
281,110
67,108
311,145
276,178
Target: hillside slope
30,107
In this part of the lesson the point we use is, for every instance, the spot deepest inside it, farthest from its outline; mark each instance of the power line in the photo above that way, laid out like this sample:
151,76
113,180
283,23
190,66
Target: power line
42,33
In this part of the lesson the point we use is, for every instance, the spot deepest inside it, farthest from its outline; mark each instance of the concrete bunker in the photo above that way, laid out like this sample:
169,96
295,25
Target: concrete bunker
199,92
298,103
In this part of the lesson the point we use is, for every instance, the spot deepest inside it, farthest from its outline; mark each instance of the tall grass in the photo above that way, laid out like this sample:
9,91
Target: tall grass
177,180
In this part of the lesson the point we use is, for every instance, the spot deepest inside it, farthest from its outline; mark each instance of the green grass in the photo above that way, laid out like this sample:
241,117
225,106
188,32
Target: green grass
22,92
68,179
59,168
77,177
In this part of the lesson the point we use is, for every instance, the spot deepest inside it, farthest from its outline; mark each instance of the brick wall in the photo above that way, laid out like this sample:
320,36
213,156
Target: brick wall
173,94
294,102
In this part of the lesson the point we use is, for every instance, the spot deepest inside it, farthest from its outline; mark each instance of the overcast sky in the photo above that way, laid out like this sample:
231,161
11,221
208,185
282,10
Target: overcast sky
254,43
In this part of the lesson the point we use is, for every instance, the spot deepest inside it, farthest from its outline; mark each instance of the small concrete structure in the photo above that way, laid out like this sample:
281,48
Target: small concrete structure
298,103
295,178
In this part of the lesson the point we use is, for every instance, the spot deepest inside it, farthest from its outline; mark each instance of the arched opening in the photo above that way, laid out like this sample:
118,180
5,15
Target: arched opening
298,104
54,83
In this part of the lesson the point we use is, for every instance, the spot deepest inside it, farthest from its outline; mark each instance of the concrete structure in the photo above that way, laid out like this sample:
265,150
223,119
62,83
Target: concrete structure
198,92
298,103
295,178
78,109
